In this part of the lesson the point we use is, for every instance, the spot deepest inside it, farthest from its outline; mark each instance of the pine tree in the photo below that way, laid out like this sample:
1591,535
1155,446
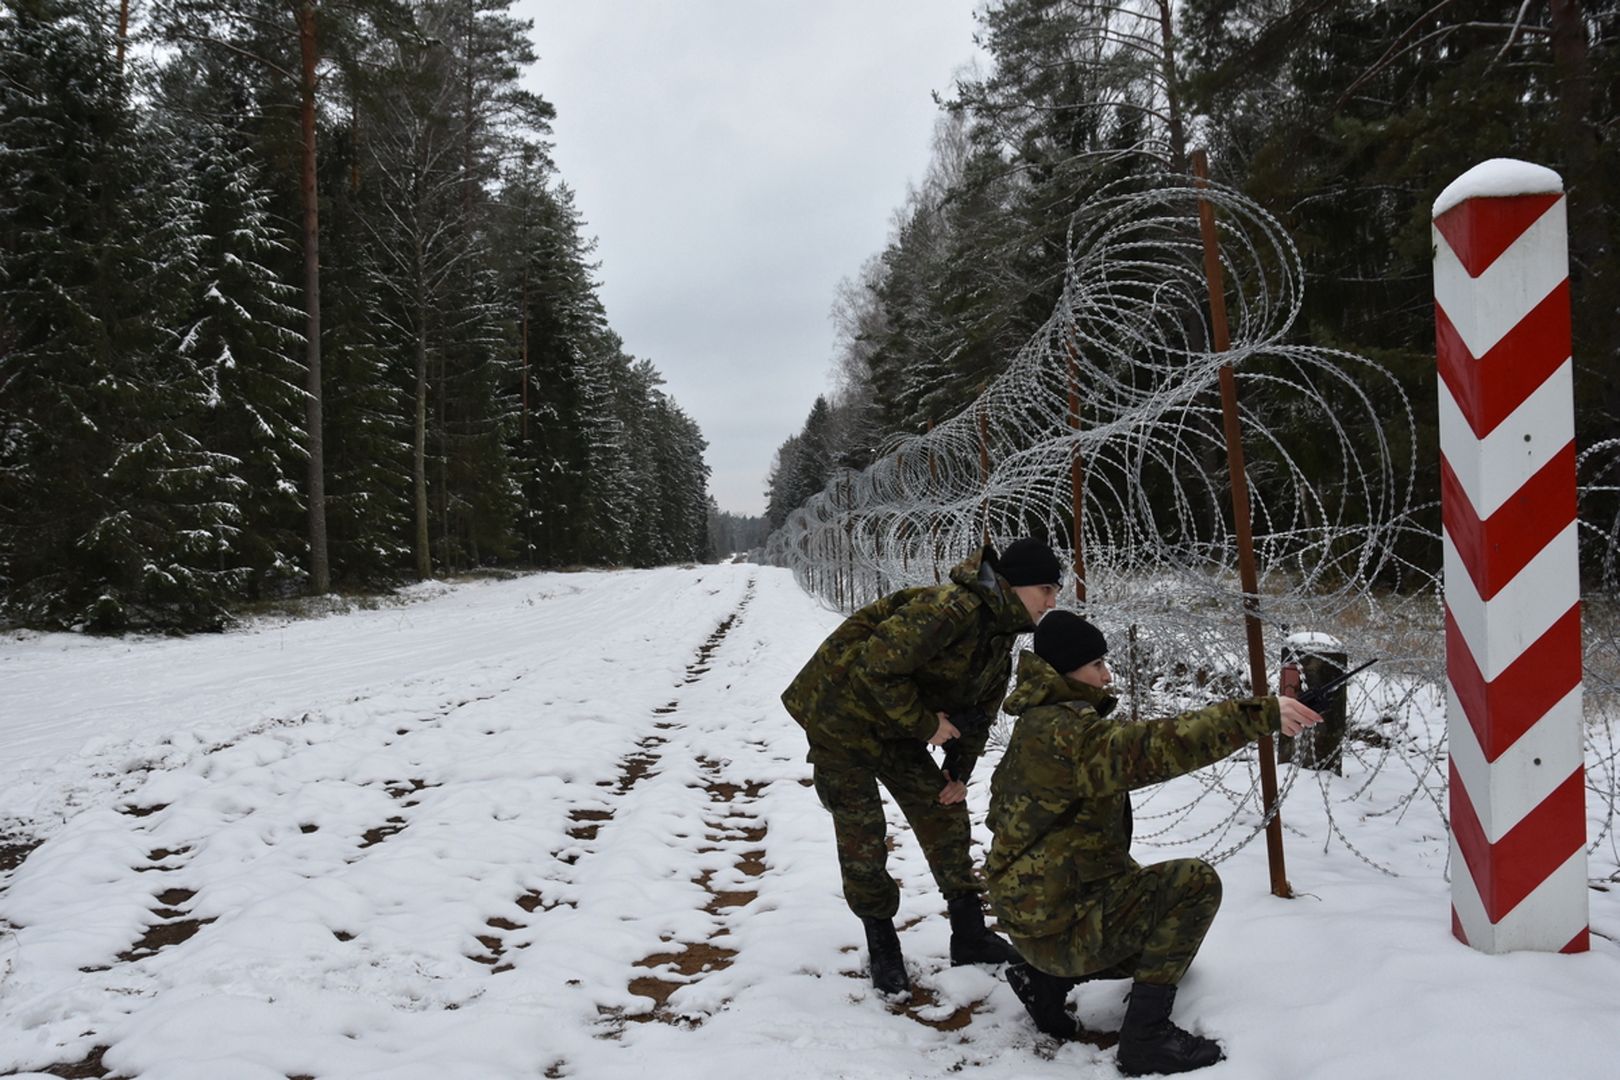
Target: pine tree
291,41
242,330
115,513
368,450
566,334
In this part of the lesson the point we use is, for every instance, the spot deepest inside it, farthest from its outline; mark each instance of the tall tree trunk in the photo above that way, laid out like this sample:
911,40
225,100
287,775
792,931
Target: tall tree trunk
319,570
525,461
1597,328
1573,69
424,557
1178,137
123,32
445,558
523,347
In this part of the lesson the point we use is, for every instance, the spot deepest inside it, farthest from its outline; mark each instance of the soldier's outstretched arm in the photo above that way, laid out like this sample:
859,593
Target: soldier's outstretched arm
1116,756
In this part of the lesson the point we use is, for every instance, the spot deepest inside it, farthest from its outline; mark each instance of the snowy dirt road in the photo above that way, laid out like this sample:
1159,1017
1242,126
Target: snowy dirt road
560,826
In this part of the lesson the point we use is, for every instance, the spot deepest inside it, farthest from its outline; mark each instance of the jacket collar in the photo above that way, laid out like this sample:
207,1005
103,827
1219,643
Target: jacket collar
977,574
1039,683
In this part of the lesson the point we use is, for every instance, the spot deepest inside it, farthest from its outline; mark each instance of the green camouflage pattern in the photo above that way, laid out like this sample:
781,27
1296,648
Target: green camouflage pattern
1144,924
1060,803
850,793
889,668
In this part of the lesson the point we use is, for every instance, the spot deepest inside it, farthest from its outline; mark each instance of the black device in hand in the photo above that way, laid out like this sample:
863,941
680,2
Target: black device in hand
1317,697
970,721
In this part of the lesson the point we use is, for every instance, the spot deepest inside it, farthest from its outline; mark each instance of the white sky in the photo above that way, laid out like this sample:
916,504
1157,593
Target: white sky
735,159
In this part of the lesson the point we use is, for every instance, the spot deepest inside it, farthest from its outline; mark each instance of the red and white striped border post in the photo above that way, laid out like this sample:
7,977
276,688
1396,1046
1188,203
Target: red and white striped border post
1513,610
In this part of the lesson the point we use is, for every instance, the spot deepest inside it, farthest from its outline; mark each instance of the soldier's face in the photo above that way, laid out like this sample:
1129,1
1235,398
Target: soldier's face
1095,674
1038,599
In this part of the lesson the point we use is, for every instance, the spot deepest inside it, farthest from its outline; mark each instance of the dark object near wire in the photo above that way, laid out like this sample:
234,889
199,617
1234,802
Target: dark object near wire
1317,697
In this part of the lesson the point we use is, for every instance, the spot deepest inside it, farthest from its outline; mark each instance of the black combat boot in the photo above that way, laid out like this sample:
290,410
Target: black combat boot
971,941
883,957
1046,997
1150,1043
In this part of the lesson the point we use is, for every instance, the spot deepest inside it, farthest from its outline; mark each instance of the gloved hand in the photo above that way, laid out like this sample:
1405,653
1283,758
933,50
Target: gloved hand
973,723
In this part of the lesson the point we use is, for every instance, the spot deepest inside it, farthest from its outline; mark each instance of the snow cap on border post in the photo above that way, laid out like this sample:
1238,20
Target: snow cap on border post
1512,588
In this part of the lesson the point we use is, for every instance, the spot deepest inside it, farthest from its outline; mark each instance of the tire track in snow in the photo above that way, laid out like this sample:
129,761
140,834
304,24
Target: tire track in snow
254,786
727,826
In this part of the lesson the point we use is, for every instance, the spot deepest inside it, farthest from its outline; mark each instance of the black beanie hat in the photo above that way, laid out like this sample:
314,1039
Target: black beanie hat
1066,641
1029,562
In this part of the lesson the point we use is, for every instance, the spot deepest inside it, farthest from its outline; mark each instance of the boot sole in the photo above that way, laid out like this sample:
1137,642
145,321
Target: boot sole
1160,1072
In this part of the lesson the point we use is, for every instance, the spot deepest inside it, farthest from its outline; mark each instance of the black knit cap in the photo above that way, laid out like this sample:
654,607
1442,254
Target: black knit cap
1029,562
1066,641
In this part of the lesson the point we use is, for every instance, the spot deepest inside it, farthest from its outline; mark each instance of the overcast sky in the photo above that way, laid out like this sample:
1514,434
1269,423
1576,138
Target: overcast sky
735,159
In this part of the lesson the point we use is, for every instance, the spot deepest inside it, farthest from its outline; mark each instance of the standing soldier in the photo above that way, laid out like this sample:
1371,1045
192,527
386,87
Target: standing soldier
878,692
1062,880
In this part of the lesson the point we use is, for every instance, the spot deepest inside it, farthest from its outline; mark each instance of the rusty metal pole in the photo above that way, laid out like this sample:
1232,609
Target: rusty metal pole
1077,473
984,462
933,485
838,572
849,536
1240,521
900,533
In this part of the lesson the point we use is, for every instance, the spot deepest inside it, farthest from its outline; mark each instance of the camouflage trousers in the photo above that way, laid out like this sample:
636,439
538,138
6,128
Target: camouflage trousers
1145,924
850,792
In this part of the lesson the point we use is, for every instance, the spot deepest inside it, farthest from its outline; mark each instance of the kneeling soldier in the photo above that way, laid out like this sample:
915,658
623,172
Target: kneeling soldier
877,694
1061,877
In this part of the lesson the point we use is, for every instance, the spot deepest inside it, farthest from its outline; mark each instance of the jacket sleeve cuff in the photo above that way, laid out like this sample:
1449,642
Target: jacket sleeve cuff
927,723
1269,712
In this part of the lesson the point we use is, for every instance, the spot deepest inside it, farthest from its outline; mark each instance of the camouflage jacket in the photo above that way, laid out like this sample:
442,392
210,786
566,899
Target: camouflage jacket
892,665
1060,804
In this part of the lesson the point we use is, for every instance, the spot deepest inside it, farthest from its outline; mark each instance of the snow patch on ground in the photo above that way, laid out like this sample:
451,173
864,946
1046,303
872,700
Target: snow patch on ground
560,826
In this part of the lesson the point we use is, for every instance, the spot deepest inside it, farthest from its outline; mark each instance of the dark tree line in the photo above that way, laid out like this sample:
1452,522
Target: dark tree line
1344,118
292,297
735,533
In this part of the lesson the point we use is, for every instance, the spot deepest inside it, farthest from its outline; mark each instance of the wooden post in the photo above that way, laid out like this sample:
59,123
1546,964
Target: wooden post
849,536
933,486
900,533
1077,480
1258,682
984,461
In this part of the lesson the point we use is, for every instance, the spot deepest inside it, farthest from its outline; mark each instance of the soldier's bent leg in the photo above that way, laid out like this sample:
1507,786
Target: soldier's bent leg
1165,911
1145,924
915,781
850,794
1178,913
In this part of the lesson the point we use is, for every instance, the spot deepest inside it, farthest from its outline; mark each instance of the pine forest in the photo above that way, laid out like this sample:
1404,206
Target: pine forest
293,299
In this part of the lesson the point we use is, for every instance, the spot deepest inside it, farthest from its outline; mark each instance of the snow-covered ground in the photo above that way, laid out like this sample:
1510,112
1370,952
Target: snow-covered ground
560,826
